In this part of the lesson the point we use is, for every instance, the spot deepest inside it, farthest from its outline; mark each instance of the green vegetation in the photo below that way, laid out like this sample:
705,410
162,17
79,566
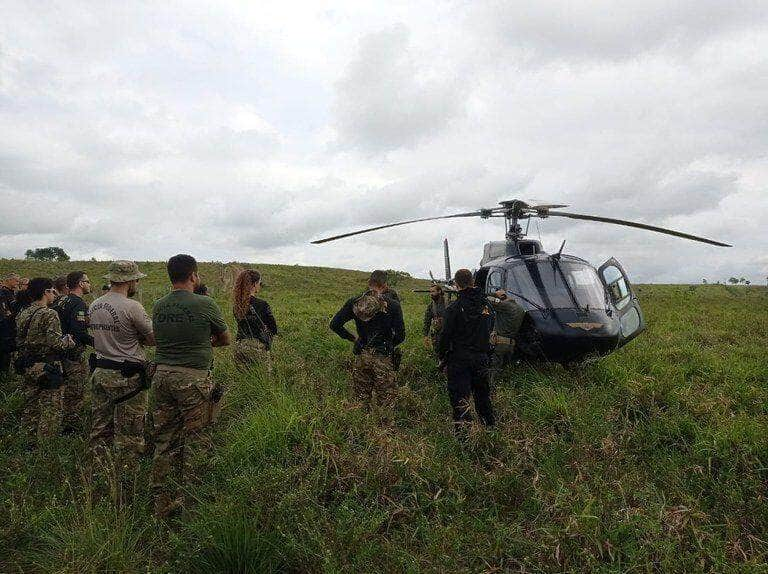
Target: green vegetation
654,459
47,254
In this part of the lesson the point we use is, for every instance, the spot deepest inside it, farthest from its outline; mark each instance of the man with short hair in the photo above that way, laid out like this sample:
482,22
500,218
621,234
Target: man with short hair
509,317
121,329
464,346
186,326
383,276
73,313
380,329
7,320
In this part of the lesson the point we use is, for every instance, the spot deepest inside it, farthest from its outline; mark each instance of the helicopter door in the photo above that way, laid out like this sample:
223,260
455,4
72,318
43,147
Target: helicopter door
495,280
624,299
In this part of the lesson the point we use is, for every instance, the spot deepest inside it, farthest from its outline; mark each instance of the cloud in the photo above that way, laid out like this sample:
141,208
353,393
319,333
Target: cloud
139,131
387,99
601,31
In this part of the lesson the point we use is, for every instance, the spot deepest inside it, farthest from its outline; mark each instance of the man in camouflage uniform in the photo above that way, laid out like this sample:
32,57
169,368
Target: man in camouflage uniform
186,326
41,343
120,328
508,319
7,320
433,316
73,314
379,322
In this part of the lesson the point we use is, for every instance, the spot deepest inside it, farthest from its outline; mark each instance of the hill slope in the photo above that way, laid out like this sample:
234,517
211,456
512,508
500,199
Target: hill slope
653,459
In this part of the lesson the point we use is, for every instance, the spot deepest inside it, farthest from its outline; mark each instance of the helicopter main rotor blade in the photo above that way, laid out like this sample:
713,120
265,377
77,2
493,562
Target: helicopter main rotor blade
350,234
637,225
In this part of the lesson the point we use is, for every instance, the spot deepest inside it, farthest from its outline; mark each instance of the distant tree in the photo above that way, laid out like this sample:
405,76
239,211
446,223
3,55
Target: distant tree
704,281
733,281
742,280
46,254
394,277
748,282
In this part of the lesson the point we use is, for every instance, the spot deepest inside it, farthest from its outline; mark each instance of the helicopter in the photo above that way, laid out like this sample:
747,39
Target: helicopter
573,311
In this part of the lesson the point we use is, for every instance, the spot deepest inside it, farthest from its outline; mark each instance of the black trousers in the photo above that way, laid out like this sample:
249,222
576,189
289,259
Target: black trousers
469,375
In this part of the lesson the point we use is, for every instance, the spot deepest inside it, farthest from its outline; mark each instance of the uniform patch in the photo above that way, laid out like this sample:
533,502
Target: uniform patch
81,316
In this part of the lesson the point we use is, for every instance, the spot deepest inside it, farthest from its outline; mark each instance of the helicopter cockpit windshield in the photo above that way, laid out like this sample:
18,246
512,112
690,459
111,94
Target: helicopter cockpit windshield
557,284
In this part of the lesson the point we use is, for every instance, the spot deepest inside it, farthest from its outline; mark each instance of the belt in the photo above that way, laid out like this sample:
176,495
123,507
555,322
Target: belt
111,365
180,369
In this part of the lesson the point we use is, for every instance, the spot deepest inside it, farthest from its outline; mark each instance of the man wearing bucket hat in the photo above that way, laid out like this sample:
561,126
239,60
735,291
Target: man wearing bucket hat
379,322
121,329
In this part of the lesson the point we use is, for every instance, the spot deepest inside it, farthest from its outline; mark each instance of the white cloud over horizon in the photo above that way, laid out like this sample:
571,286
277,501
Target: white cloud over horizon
242,132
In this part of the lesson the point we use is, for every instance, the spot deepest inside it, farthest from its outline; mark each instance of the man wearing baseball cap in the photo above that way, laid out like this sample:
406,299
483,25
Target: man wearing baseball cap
121,329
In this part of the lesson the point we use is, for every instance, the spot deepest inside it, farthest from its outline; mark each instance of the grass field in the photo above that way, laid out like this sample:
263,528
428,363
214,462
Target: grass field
654,459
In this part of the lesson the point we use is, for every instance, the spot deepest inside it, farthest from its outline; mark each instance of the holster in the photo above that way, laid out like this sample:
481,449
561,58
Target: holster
22,362
52,377
128,369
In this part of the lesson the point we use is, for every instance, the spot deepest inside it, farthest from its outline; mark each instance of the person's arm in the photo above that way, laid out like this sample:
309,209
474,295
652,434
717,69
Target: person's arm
221,339
53,336
219,333
446,335
78,324
143,325
341,318
398,325
269,318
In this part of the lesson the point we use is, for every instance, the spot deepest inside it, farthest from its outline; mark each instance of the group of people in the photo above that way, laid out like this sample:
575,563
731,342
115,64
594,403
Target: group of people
50,327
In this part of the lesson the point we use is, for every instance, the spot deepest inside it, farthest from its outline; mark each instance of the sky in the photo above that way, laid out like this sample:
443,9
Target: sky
241,131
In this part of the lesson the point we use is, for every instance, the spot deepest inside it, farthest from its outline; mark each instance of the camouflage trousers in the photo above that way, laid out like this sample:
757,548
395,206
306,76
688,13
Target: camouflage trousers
183,413
117,423
251,351
42,407
73,391
501,357
373,377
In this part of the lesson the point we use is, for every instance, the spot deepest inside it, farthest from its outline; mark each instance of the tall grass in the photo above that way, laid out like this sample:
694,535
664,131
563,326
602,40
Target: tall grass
651,460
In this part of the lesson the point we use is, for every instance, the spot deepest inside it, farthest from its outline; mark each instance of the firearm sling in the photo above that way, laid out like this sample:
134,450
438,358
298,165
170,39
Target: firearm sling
127,369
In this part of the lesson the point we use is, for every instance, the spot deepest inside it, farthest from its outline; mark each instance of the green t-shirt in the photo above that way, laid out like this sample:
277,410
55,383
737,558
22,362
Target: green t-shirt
183,324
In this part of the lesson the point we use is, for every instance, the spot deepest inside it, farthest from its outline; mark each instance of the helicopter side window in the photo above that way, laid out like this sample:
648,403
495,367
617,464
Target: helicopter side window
495,281
617,286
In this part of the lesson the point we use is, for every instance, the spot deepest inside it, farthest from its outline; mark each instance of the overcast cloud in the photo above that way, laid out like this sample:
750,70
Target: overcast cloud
239,132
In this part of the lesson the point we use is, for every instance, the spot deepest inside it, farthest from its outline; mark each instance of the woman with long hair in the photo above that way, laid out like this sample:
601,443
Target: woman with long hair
256,325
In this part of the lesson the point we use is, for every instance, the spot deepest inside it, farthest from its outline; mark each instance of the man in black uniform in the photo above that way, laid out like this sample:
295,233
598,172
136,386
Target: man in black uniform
463,347
7,320
380,328
73,313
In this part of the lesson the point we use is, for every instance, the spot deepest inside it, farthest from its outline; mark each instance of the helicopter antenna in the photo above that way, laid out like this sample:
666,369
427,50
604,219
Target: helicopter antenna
559,253
447,257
